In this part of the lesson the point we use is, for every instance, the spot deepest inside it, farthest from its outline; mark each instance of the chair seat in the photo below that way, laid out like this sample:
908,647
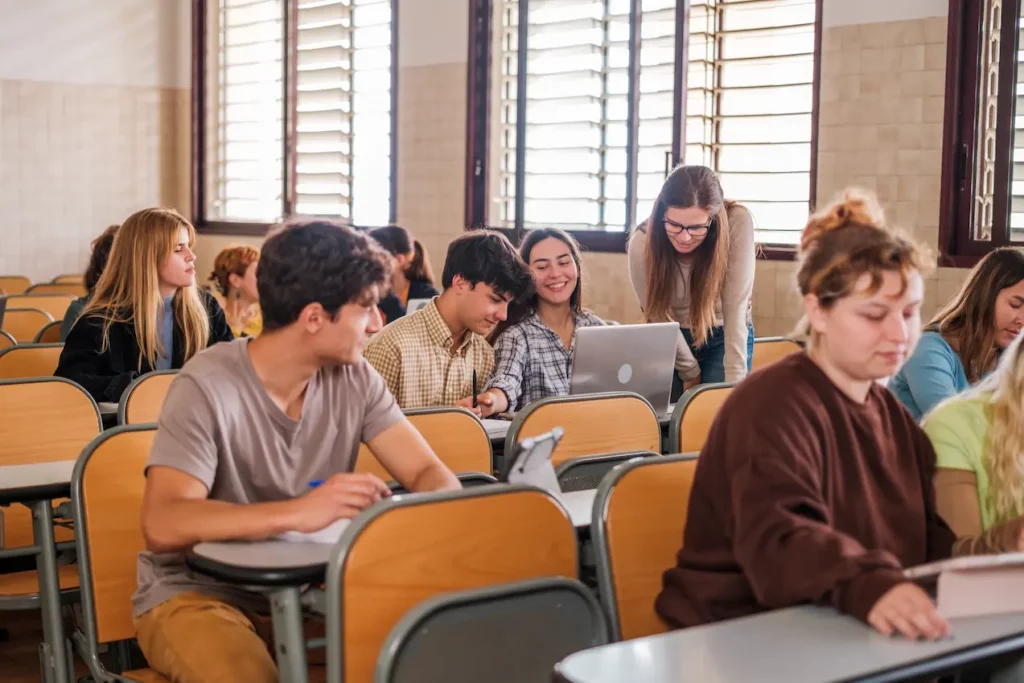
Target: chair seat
25,584
146,676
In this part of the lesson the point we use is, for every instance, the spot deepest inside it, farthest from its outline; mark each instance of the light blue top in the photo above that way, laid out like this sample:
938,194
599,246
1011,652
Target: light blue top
165,330
932,374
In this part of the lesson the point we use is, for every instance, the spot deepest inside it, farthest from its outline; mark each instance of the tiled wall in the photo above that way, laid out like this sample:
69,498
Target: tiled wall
882,99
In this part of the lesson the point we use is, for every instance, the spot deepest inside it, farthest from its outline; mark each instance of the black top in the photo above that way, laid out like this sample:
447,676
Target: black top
391,306
106,375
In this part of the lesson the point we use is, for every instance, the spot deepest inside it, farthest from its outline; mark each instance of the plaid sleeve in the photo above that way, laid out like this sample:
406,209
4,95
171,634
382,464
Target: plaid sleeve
384,355
510,352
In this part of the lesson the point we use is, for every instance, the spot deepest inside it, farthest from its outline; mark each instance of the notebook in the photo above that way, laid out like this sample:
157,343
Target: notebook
977,585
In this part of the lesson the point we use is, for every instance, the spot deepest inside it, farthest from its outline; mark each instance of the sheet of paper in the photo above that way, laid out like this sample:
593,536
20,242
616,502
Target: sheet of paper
965,564
329,534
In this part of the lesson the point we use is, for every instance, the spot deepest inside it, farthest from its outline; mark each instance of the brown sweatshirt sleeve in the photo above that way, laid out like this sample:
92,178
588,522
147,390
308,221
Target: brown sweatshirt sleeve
785,540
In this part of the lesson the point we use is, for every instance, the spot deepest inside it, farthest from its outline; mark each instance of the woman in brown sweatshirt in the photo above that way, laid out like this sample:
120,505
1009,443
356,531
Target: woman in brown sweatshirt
814,485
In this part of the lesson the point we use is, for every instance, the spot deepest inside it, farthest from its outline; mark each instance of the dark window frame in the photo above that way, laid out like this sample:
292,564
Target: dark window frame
290,87
478,119
957,245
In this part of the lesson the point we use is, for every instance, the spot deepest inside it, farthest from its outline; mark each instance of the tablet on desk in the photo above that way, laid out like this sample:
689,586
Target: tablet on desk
531,462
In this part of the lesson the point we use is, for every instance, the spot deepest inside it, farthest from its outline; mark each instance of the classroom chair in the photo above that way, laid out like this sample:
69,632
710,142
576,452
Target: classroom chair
767,350
73,278
14,284
586,473
50,334
6,340
142,400
29,360
637,530
467,479
694,414
54,304
46,419
454,434
24,324
402,551
106,492
594,424
502,634
75,289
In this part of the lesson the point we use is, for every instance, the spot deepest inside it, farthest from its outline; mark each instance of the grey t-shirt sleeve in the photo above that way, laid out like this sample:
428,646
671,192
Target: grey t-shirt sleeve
382,409
186,433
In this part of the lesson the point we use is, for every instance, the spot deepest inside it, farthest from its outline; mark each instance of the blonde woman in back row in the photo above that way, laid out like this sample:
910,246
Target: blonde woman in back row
146,312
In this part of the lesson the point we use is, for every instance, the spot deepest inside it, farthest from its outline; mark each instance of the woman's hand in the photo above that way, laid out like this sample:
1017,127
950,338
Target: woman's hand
906,609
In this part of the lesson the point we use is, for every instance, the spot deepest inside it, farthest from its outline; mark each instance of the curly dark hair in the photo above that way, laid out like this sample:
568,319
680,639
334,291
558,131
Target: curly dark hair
488,257
98,258
316,261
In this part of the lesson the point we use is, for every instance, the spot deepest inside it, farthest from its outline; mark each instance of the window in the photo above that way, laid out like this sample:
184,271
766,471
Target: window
297,107
605,110
983,154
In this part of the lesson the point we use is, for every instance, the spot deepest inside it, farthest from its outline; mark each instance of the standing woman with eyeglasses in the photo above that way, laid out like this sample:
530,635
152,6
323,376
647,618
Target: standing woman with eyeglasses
692,262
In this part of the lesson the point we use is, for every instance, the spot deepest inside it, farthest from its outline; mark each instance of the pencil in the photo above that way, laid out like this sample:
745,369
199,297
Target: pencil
474,389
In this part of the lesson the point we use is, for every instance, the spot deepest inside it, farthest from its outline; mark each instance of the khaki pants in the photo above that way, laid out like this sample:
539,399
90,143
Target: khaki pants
195,638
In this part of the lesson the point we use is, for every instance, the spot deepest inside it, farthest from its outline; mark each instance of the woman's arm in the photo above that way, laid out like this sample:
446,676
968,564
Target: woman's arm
931,373
686,363
100,374
506,383
737,290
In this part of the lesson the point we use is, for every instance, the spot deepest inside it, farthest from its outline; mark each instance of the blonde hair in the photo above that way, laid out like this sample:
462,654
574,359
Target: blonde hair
847,240
1003,394
128,291
232,261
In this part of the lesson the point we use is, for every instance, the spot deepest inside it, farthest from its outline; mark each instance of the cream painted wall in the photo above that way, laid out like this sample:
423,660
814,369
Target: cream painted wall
847,12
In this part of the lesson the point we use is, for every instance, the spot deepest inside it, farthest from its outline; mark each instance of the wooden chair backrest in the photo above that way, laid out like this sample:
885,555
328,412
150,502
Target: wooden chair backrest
50,334
75,289
6,340
641,533
435,543
70,277
594,424
44,420
14,284
454,434
107,491
144,398
54,304
29,360
694,415
24,324
767,351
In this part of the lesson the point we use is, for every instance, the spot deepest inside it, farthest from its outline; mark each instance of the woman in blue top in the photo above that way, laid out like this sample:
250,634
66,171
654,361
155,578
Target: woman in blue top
963,341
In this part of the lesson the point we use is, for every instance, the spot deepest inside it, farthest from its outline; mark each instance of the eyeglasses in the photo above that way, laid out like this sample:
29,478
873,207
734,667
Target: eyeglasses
674,228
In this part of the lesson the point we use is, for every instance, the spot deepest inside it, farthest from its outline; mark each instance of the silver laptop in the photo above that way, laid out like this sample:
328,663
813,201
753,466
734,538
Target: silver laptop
636,358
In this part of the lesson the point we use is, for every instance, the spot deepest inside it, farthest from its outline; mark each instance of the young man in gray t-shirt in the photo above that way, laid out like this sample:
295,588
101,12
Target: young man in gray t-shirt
247,425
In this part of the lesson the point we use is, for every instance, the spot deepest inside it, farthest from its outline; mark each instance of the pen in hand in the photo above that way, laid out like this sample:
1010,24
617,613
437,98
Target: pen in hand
475,404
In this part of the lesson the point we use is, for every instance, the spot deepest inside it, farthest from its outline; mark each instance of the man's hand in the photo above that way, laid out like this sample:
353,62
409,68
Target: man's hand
485,405
343,496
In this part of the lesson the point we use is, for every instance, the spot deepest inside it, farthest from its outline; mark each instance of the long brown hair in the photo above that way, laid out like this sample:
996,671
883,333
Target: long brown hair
523,307
419,269
128,291
846,240
968,322
98,257
687,186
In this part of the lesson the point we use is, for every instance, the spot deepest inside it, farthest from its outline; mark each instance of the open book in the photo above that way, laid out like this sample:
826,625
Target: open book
976,585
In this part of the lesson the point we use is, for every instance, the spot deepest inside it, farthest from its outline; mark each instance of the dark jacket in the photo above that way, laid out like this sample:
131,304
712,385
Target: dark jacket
106,375
391,306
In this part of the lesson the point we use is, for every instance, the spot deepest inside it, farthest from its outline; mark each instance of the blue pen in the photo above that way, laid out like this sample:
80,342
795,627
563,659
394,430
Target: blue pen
316,482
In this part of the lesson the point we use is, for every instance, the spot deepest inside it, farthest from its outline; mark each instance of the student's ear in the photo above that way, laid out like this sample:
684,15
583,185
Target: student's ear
313,318
235,281
816,315
460,284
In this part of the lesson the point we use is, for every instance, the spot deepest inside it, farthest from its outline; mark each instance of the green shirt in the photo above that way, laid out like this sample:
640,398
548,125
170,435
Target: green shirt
959,432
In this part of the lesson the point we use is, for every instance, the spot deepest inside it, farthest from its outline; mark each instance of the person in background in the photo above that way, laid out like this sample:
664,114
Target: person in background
692,262
430,357
245,429
978,438
97,262
963,341
420,274
146,312
534,348
234,276
399,243
815,484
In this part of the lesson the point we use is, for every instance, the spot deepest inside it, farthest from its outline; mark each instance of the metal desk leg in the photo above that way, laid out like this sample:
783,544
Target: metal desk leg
289,637
52,651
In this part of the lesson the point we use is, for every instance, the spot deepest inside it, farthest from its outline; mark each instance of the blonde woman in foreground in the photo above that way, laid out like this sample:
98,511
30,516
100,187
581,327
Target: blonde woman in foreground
146,312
